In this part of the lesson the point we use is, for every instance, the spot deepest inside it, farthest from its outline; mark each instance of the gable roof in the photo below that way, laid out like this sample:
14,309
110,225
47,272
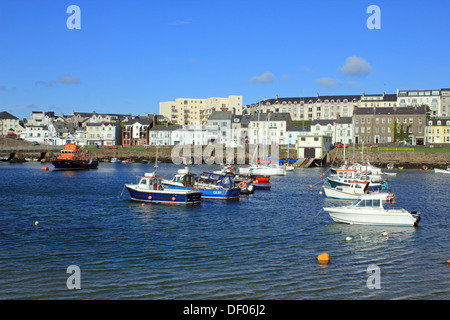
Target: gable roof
6,115
221,115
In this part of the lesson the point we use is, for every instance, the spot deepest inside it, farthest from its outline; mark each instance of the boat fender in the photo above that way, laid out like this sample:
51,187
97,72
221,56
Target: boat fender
173,198
150,197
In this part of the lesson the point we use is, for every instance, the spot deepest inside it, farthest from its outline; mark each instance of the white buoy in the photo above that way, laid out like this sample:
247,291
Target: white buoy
348,238
384,234
36,223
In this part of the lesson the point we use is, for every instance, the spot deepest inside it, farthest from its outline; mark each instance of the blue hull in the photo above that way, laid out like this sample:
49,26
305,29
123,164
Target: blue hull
164,196
225,194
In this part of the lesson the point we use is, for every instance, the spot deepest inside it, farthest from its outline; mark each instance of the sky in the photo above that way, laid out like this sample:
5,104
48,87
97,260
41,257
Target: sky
127,56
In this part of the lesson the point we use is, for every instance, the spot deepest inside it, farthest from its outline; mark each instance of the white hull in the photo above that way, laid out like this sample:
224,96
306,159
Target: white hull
441,171
343,193
262,170
372,216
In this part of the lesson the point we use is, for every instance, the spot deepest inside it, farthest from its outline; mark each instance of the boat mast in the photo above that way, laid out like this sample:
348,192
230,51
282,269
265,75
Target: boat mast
156,160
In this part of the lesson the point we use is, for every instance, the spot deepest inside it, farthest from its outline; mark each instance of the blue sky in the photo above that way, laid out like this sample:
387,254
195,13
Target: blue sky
130,55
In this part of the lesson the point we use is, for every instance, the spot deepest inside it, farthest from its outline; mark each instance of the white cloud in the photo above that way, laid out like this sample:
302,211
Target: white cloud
305,69
68,79
355,66
266,77
328,82
64,79
180,22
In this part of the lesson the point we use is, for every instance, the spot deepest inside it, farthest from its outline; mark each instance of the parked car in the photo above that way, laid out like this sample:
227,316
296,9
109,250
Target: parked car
340,145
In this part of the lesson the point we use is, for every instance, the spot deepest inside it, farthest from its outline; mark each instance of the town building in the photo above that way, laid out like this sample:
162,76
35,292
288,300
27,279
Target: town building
219,127
269,128
294,131
378,100
415,98
136,132
239,127
35,133
60,133
324,128
389,124
445,102
438,130
40,118
344,130
103,134
9,124
163,135
309,108
313,147
188,111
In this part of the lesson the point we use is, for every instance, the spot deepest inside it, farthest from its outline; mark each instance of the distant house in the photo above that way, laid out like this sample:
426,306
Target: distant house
269,128
163,135
136,132
438,130
344,130
60,133
294,131
9,124
219,127
103,134
36,133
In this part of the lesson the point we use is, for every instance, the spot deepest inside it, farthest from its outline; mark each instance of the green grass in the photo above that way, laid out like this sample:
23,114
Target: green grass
406,149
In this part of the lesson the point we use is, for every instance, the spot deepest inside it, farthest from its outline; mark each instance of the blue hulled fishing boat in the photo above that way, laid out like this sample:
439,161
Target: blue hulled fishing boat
150,189
211,185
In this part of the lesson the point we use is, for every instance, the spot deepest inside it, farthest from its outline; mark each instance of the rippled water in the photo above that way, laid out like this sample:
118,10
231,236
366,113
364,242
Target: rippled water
263,246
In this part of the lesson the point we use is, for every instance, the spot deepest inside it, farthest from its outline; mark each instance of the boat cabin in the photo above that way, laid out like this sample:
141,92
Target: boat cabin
187,179
374,200
151,182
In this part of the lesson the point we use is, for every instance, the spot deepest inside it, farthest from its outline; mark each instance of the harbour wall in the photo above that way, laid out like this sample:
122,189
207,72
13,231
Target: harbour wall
405,159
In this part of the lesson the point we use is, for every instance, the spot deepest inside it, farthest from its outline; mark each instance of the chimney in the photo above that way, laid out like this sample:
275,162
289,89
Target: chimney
276,96
383,94
317,94
363,94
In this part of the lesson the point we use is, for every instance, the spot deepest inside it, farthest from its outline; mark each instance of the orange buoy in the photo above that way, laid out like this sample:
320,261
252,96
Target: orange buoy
143,204
45,168
310,185
448,261
323,258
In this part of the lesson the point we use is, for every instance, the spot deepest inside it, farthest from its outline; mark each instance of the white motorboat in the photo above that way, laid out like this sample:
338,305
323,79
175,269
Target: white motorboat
446,171
346,192
373,209
263,168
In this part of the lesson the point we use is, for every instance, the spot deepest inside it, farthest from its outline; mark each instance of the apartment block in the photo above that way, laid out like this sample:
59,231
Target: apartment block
189,111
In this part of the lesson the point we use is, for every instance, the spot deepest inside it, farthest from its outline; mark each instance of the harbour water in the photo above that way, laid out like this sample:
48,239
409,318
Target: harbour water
262,246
